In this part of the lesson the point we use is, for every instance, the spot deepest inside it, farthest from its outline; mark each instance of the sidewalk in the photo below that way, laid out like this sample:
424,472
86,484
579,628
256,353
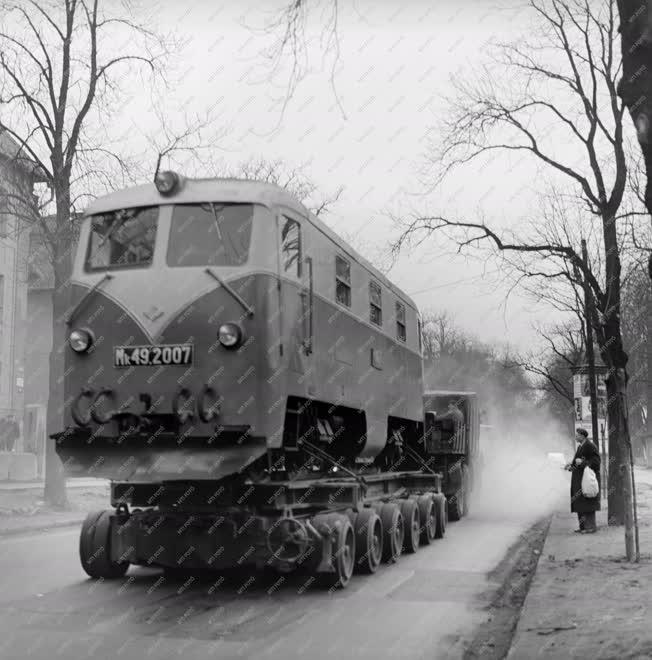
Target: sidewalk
39,485
22,508
585,601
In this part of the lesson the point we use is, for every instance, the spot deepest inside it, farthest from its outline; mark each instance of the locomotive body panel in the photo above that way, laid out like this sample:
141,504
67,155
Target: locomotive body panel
301,340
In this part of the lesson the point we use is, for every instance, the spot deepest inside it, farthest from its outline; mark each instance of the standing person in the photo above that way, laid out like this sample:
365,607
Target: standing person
587,455
12,432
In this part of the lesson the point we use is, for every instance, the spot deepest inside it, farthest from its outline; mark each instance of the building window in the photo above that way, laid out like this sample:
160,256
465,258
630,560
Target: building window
419,333
375,304
400,322
343,281
291,247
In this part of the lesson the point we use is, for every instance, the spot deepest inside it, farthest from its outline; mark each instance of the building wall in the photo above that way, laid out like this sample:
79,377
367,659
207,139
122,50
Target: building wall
14,247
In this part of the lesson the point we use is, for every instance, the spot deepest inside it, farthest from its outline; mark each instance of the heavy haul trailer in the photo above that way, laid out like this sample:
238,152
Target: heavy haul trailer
250,385
330,527
452,436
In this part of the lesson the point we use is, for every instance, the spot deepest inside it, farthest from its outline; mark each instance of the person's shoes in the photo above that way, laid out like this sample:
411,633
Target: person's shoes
590,531
578,531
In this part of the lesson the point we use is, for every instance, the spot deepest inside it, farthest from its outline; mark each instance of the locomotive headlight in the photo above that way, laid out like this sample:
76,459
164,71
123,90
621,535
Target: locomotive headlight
167,183
80,340
230,335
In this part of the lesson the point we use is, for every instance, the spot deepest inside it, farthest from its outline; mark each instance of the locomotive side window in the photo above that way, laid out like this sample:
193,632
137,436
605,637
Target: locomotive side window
291,247
419,330
375,304
343,281
400,322
123,238
210,234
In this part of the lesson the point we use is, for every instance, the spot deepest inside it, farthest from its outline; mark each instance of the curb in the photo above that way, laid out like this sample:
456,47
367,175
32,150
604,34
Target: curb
41,527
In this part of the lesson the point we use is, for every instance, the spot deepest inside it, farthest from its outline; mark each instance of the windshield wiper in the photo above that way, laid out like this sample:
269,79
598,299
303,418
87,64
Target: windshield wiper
235,294
234,251
86,297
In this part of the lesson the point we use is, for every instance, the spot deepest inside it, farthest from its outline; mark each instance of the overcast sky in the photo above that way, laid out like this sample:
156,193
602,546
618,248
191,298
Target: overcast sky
368,133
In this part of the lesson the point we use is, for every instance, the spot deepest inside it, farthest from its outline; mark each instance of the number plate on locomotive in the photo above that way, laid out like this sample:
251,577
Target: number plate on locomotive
153,356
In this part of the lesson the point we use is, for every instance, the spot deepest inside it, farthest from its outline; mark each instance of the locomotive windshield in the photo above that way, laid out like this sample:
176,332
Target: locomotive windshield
210,234
122,239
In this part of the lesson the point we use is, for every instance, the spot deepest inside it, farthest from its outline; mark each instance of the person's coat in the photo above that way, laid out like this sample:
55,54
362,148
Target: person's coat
588,453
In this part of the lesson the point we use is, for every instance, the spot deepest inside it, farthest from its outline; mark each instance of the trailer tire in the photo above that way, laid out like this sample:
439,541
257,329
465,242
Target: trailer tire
95,547
393,532
428,519
343,551
467,480
412,525
368,541
456,506
441,508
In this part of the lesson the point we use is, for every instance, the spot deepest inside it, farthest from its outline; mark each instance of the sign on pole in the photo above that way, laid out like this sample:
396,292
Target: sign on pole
582,408
583,405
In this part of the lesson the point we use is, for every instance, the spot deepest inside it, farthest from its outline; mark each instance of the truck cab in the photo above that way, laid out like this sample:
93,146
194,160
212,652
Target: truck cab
451,443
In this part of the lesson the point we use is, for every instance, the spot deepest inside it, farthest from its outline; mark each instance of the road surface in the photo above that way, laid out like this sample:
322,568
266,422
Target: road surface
417,608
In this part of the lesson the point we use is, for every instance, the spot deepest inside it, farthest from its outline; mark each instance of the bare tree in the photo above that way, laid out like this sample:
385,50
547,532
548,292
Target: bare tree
635,87
499,114
293,179
552,365
60,80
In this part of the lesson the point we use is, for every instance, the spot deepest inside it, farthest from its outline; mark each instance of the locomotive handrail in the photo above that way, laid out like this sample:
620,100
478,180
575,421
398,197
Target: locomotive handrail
310,306
235,294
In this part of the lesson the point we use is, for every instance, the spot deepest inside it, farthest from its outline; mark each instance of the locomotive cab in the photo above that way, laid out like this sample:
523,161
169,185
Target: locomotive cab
169,334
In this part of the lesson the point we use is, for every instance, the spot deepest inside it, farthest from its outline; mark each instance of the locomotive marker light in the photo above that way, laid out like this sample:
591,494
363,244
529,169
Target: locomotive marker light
167,183
80,340
230,335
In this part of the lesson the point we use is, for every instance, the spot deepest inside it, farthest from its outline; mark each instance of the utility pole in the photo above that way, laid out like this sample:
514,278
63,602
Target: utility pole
590,356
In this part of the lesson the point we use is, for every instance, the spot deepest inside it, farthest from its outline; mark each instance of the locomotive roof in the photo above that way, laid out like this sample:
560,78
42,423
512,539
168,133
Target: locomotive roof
194,191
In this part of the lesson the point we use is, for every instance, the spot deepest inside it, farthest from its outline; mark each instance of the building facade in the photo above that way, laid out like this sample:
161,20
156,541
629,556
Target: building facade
17,214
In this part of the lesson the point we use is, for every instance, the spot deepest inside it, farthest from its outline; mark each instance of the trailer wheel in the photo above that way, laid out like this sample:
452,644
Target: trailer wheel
458,505
428,519
393,532
343,552
468,487
95,547
441,509
412,525
368,541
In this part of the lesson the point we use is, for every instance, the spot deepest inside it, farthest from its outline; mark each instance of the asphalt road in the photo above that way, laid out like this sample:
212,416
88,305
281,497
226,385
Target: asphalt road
418,608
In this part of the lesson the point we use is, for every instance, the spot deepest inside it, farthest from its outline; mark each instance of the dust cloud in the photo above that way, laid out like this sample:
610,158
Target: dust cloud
516,479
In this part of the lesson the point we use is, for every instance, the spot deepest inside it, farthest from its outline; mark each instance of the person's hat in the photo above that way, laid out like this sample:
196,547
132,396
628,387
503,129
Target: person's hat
583,432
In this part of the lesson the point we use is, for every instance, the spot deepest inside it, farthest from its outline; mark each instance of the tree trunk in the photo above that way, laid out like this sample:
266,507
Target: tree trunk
620,501
635,87
648,381
55,480
618,459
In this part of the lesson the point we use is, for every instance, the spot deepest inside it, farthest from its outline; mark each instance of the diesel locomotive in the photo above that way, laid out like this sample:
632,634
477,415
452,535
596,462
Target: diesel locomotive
249,384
